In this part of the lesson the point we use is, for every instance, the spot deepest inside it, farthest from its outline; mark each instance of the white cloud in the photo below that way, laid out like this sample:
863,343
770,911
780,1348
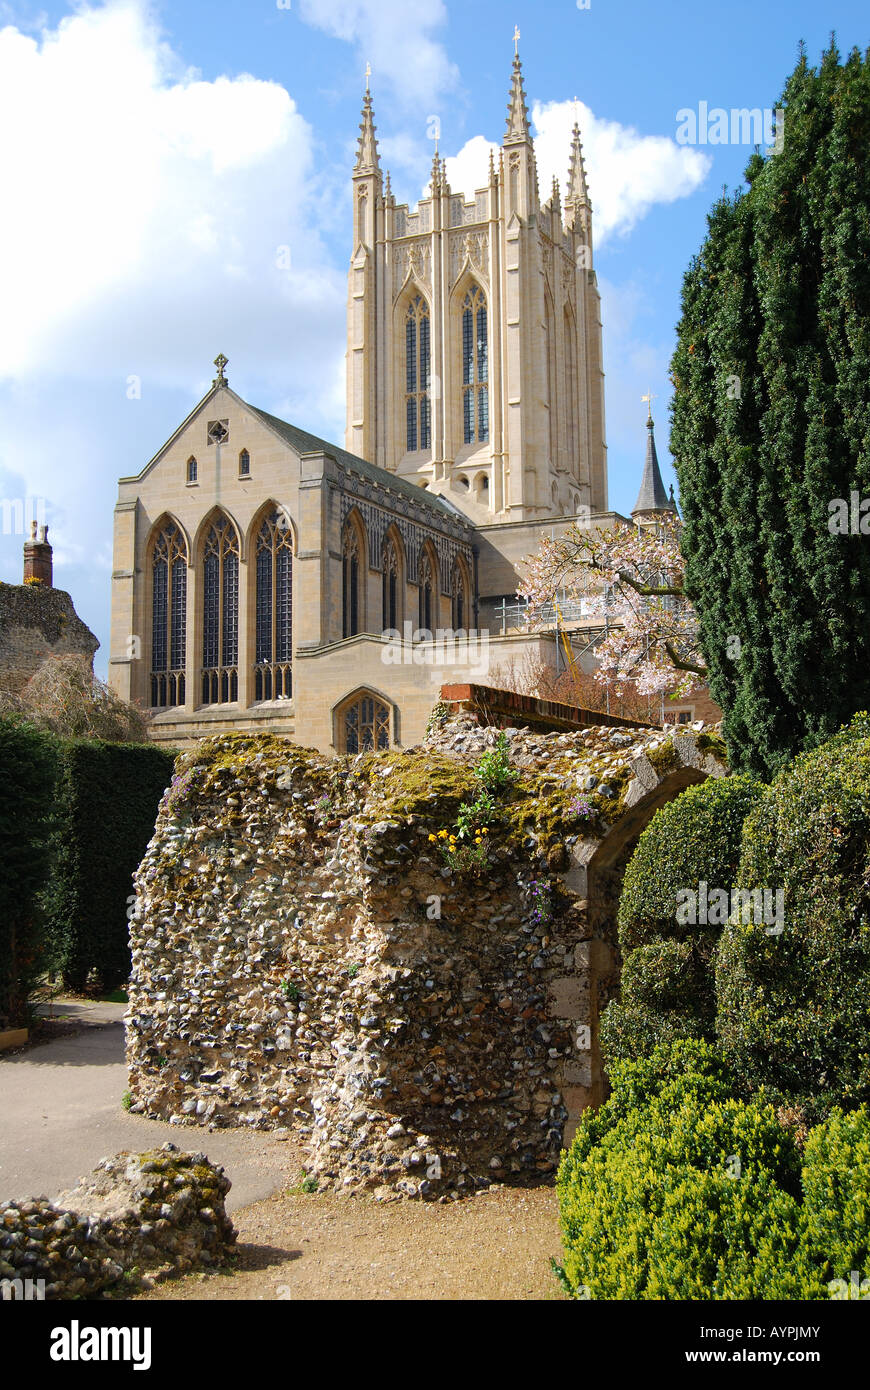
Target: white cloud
627,173
395,36
143,203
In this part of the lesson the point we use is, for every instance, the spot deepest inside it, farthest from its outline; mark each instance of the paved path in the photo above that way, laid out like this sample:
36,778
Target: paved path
61,1112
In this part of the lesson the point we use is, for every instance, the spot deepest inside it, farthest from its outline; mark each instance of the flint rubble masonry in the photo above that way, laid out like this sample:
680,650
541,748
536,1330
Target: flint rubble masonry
303,958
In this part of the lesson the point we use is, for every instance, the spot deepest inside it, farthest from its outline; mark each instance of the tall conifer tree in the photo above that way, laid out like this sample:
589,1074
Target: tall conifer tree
771,422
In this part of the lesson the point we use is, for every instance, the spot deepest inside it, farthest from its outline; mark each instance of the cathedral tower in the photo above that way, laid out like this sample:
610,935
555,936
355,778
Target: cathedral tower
474,362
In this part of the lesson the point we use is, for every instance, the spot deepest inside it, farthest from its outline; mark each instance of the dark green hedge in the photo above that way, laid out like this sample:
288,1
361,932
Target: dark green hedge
667,986
794,1008
27,776
108,794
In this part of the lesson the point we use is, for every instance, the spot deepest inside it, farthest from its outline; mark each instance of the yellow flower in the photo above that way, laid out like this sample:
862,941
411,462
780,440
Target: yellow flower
442,834
432,837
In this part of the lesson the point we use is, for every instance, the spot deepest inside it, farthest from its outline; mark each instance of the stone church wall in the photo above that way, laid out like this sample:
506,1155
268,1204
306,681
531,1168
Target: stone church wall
302,957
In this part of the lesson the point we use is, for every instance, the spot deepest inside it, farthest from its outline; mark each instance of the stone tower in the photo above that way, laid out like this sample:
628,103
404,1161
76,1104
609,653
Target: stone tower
474,360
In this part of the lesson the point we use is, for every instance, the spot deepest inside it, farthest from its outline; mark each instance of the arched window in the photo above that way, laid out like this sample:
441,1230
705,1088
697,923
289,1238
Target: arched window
220,617
460,598
550,347
273,672
191,469
417,368
427,590
572,390
364,725
391,581
244,464
475,368
168,617
350,587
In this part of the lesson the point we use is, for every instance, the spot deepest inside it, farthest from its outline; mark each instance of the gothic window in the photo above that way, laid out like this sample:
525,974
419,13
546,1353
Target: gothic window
475,368
364,724
390,608
191,469
418,432
168,617
220,618
460,598
427,591
273,671
244,464
550,346
572,391
351,560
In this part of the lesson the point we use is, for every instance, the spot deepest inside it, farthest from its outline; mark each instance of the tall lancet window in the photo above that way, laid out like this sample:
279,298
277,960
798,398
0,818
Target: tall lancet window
427,591
351,567
475,368
418,361
460,598
573,392
273,673
220,615
168,617
391,586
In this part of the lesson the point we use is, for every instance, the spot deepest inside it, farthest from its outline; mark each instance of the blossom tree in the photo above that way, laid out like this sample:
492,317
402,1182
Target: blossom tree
631,579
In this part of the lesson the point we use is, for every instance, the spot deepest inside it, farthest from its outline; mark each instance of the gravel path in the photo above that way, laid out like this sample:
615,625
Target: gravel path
495,1245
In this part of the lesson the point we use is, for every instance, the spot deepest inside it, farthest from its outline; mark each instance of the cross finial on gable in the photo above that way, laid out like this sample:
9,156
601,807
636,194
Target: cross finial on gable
220,362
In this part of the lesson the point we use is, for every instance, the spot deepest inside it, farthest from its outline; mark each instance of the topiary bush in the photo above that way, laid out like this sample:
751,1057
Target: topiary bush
668,983
793,1008
836,1184
676,1190
27,774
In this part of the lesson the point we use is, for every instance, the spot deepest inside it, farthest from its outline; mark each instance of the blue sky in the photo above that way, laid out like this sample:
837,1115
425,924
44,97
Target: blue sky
157,157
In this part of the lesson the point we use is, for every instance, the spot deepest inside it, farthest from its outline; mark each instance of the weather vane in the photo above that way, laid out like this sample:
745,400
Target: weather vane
516,41
648,399
368,75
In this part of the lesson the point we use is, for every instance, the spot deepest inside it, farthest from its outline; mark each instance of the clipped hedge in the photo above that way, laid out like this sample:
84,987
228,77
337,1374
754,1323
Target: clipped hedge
108,799
675,1190
668,986
794,1008
27,775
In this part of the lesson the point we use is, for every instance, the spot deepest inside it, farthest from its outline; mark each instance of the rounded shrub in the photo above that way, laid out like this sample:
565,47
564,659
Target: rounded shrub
675,1190
668,988
794,1005
836,1184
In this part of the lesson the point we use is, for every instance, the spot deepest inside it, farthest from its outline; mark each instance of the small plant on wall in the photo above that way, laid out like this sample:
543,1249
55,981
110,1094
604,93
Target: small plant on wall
466,848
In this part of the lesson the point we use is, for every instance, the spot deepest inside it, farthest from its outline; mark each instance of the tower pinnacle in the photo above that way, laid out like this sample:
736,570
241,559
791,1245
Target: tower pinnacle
518,114
367,149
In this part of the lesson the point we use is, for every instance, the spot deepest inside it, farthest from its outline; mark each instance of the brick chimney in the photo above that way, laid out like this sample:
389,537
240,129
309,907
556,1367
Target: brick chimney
37,556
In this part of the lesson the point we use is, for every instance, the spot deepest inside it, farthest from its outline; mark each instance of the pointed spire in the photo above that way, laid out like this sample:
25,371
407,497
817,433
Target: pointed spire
556,199
437,174
652,496
578,193
367,149
518,112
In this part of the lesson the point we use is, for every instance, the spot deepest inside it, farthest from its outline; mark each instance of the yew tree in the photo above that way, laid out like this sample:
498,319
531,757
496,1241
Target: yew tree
770,426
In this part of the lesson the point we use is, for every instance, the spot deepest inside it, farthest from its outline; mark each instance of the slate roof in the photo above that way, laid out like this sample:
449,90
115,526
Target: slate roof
652,496
305,443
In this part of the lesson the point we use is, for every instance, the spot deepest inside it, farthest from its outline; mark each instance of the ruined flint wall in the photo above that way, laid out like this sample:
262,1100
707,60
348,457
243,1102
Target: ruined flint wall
302,957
